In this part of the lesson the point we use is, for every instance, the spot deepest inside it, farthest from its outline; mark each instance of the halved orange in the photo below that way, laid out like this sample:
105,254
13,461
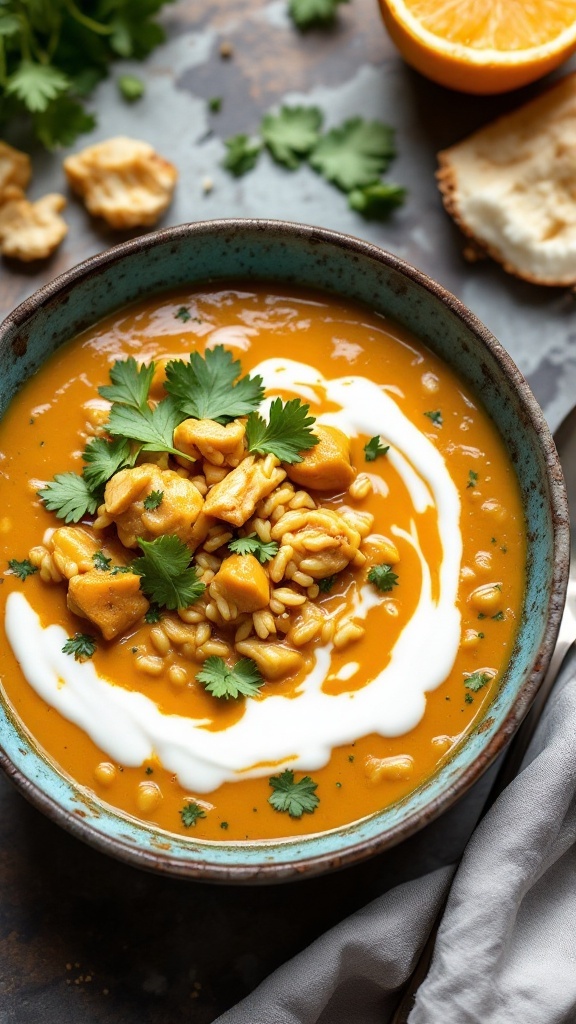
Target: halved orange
482,46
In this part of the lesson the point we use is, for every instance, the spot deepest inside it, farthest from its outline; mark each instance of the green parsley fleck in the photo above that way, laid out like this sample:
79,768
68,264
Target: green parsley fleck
480,636
153,500
224,824
148,770
191,813
338,785
22,569
373,448
81,645
469,699
101,561
477,680
436,416
325,585
382,577
351,758
482,615
215,104
472,478
499,617
183,314
152,615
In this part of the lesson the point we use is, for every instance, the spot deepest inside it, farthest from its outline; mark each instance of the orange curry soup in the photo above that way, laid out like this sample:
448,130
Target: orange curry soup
58,412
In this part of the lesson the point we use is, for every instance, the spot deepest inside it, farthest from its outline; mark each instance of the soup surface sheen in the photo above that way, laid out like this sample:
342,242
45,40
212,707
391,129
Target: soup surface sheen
383,688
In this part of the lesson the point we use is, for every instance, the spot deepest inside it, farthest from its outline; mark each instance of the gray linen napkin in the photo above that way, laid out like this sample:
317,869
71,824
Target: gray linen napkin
506,948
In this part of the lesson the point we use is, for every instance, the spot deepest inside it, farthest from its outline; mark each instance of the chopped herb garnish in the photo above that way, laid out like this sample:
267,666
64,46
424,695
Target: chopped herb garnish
191,813
499,617
291,133
183,314
477,680
373,448
81,645
118,570
104,458
131,87
152,615
308,13
22,569
101,561
377,201
148,770
351,758
153,500
221,680
296,798
166,575
215,104
383,577
210,387
252,545
482,615
469,699
287,433
130,383
242,155
224,824
472,478
480,636
436,417
354,154
325,585
69,496
338,785
152,428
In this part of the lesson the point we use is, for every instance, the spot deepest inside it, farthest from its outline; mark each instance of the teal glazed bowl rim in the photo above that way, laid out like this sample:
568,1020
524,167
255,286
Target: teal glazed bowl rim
295,254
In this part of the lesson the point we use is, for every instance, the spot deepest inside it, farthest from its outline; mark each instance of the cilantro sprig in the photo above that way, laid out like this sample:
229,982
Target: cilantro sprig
383,577
153,500
82,646
104,458
242,679
210,386
252,545
354,154
373,448
22,569
287,432
153,429
477,680
55,53
191,813
70,497
130,383
242,154
294,798
166,576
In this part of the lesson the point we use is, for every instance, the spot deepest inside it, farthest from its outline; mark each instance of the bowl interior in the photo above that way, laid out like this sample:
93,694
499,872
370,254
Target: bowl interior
312,257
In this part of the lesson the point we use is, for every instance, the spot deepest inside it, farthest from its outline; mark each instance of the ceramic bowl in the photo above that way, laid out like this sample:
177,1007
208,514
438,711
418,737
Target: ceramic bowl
295,254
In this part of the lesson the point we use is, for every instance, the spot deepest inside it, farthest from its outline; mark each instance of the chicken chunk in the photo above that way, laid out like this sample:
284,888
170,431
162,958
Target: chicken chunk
242,582
236,496
323,541
73,549
176,513
122,180
326,466
14,168
273,660
30,231
113,602
216,443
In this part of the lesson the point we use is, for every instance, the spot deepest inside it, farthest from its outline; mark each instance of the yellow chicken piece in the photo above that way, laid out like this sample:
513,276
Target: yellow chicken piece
30,231
236,496
177,512
73,549
122,180
112,602
242,581
273,660
211,440
326,466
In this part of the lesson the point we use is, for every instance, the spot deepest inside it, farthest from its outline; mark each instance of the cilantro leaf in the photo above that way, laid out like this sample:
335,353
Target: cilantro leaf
167,577
69,496
242,155
307,13
130,383
252,545
104,459
153,428
373,448
131,87
355,154
287,433
101,561
22,569
297,798
243,679
215,104
153,500
81,645
152,615
382,577
183,314
472,478
325,585
191,813
377,201
291,133
207,387
436,416
36,84
477,680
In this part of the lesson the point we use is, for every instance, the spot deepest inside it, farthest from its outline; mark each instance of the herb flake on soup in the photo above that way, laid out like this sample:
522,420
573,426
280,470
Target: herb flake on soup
263,564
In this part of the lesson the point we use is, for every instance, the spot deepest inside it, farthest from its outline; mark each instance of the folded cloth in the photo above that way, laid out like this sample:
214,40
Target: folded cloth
505,952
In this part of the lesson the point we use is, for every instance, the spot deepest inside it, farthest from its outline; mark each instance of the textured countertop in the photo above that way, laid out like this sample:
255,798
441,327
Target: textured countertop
86,939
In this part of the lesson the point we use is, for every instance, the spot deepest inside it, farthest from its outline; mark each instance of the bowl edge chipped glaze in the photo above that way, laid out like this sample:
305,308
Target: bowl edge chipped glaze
300,255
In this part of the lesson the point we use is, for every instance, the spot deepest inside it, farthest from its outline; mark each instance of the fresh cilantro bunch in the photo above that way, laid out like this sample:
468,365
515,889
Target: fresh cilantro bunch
52,54
351,156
